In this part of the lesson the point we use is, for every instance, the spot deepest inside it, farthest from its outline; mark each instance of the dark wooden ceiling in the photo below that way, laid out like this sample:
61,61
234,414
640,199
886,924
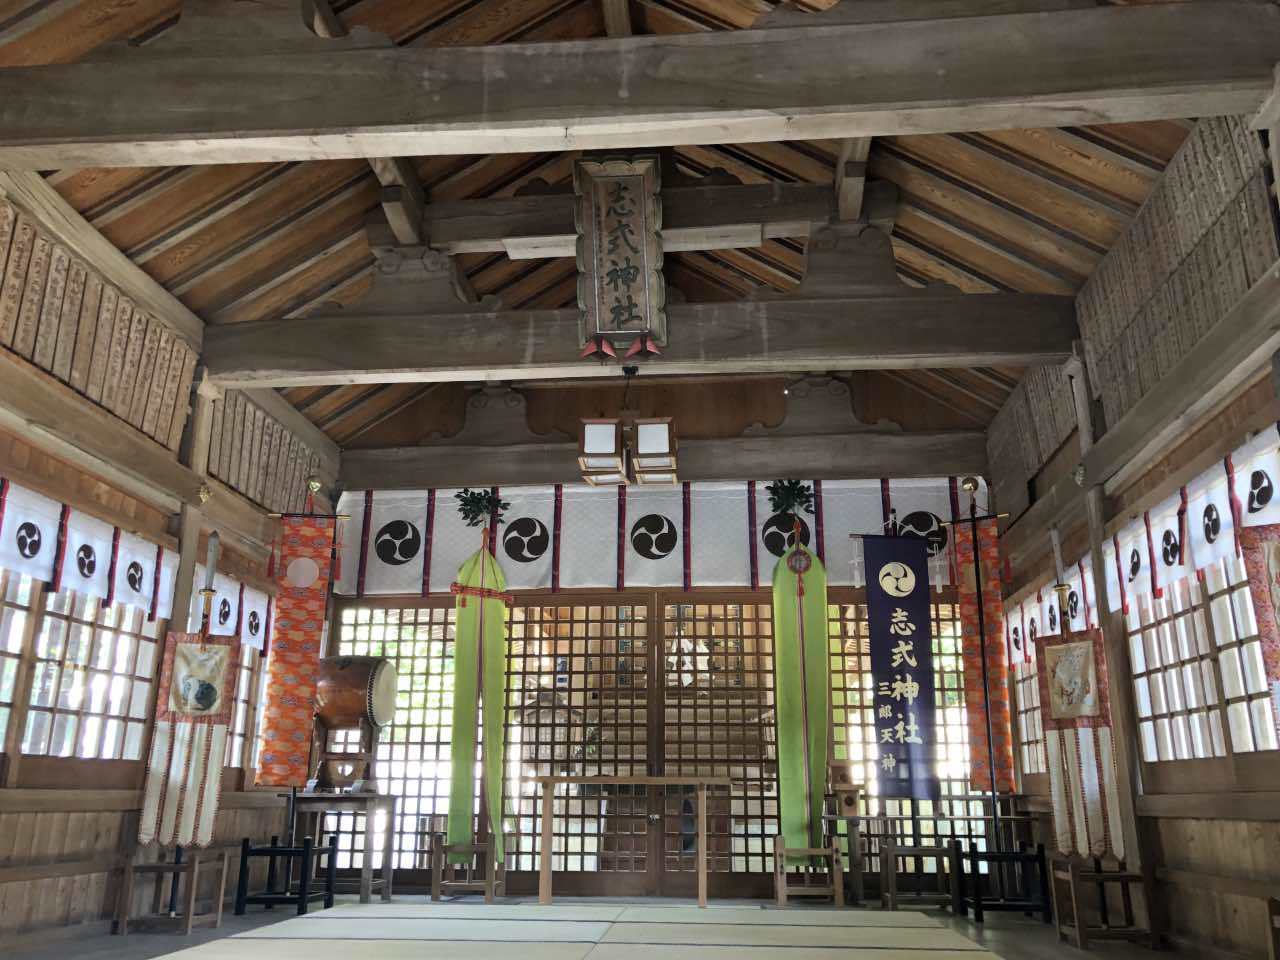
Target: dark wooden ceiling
1022,210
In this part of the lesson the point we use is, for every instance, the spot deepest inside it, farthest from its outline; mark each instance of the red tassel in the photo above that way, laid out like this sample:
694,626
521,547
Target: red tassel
337,554
271,560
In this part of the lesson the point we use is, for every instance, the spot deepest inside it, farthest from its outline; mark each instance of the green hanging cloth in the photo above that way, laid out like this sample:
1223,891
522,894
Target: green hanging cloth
481,621
803,693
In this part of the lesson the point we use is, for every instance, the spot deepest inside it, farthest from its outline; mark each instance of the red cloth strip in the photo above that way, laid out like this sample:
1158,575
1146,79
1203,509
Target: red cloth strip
751,534
1237,513
688,543
111,571
1182,526
483,592
1124,597
1151,557
622,536
240,611
886,506
155,585
820,539
61,557
363,566
428,527
555,538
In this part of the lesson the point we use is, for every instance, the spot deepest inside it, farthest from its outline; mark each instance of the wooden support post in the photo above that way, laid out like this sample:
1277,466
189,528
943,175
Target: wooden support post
702,843
22,685
544,863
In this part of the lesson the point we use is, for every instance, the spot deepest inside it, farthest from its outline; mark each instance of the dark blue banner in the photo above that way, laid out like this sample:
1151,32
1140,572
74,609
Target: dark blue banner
897,570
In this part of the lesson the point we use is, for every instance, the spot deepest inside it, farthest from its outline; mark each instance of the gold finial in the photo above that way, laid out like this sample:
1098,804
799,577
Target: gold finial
969,484
314,484
204,493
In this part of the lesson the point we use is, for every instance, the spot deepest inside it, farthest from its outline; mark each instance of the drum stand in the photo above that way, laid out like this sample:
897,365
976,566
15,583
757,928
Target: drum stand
331,772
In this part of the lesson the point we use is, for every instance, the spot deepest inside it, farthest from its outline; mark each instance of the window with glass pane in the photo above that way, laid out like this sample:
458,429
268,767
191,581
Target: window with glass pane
1200,686
245,705
1030,726
16,591
91,691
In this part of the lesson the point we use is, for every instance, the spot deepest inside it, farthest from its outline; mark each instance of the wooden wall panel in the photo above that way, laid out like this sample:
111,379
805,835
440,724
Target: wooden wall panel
57,312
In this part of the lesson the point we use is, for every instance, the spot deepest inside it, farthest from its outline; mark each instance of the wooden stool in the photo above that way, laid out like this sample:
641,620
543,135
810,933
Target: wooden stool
1075,872
492,880
301,896
178,868
891,853
783,889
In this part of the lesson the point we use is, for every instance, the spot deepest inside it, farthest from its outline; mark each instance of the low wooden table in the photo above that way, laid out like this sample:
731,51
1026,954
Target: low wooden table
316,805
548,785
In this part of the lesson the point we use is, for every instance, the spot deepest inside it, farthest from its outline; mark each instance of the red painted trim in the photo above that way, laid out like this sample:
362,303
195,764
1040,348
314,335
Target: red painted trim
751,534
622,536
819,533
1124,595
1236,511
1182,527
240,611
688,542
428,532
155,584
111,571
557,518
1156,591
1084,593
266,633
953,490
363,566
61,556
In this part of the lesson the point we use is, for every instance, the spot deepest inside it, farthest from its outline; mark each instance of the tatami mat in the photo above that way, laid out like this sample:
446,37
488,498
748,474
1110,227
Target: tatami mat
576,931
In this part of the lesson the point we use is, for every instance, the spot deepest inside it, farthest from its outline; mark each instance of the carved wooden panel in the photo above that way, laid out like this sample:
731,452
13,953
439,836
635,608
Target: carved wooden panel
58,313
1206,234
253,453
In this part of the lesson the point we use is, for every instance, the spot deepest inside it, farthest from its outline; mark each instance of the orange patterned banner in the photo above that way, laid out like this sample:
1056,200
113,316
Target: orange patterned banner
303,573
997,667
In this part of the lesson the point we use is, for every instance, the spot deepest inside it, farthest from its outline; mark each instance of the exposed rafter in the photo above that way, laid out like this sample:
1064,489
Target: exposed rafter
272,98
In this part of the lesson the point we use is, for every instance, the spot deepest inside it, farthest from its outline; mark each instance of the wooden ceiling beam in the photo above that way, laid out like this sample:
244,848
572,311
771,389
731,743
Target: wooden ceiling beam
817,81
785,334
853,455
617,17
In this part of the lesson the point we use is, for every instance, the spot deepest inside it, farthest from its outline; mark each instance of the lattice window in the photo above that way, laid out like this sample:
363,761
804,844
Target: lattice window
247,699
16,593
578,679
1030,725
958,814
413,750
1198,669
719,704
91,691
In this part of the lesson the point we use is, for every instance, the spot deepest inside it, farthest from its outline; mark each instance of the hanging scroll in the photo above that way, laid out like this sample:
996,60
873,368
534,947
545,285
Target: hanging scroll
983,749
621,292
302,589
897,572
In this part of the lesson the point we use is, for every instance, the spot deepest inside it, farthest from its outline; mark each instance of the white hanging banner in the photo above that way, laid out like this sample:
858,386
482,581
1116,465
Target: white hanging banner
654,552
395,545
720,534
1016,632
1030,625
135,578
224,612
1135,564
351,506
1050,616
525,537
29,532
253,618
1168,539
1115,594
86,562
452,541
917,508
589,537
1075,612
849,506
1257,467
1210,525
163,605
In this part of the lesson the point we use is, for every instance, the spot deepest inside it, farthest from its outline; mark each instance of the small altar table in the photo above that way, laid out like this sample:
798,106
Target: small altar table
549,784
313,806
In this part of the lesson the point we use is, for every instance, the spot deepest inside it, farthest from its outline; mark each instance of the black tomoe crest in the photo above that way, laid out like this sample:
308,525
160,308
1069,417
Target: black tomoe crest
133,576
653,536
1170,549
224,611
255,623
1016,633
779,535
28,539
1073,605
1053,617
1135,564
86,560
1212,523
1261,490
925,525
526,539
397,542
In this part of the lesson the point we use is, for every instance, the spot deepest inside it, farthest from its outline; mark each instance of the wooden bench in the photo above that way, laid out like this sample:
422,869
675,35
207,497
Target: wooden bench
784,889
180,868
891,852
1074,873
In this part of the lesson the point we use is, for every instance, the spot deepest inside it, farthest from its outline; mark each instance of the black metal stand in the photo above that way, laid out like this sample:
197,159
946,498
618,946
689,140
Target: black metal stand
1031,893
285,893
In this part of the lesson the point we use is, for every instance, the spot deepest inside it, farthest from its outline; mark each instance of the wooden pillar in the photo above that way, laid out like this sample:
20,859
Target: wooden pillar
1124,723
195,453
12,744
